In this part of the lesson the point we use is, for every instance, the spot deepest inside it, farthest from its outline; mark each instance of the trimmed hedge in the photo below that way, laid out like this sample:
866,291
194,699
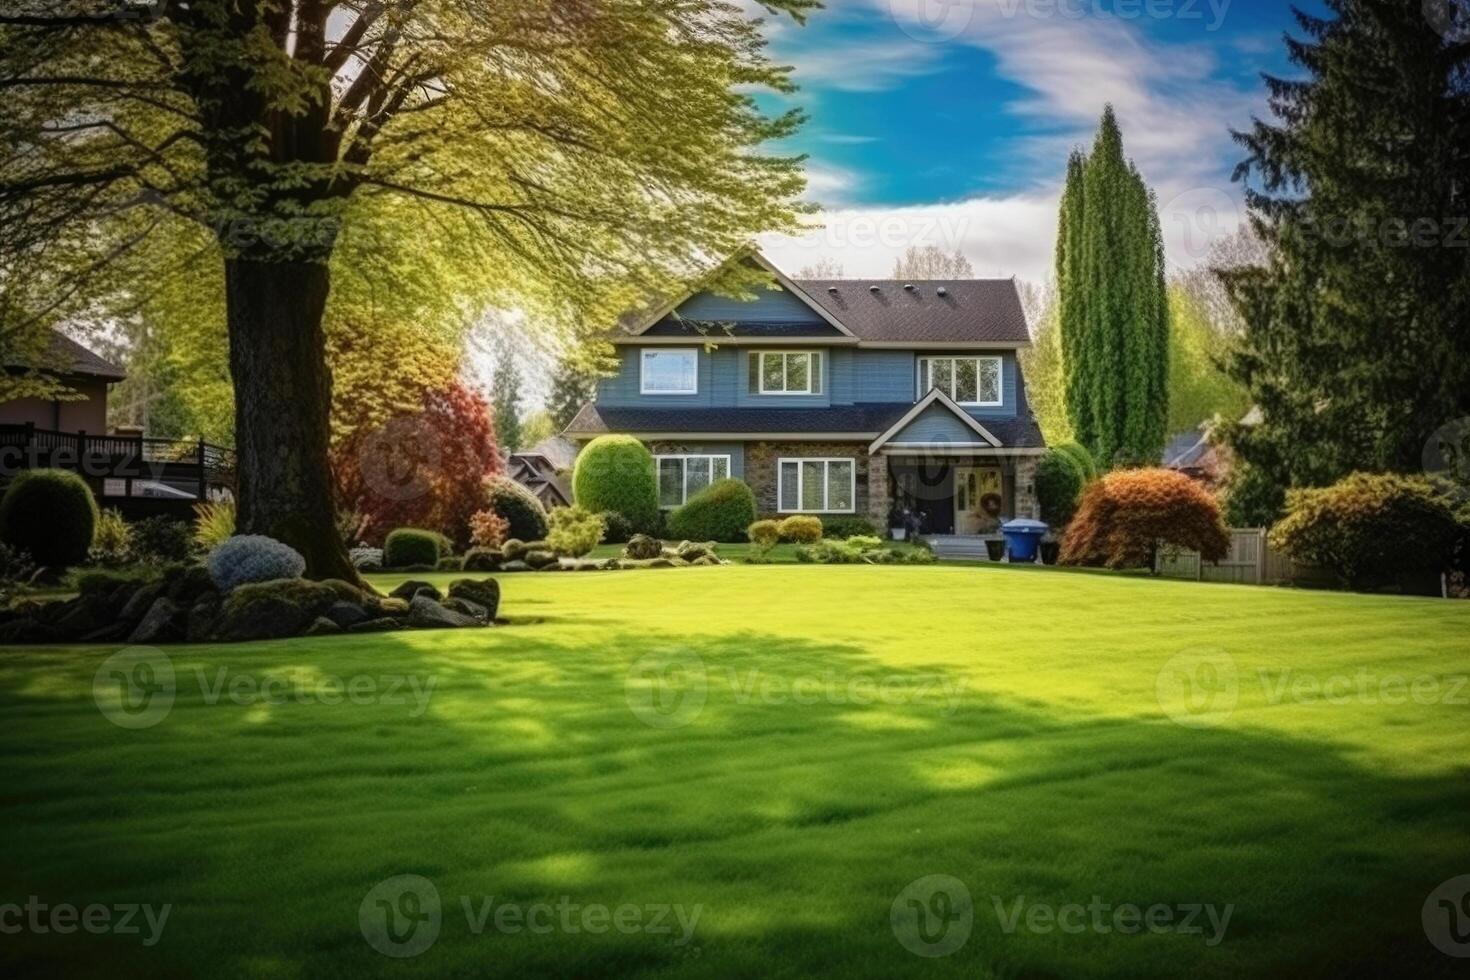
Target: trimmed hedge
801,529
1059,482
847,526
51,515
519,506
721,511
412,546
1126,514
616,473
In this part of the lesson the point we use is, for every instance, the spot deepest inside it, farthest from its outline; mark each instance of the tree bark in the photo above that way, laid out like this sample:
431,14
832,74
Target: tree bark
283,398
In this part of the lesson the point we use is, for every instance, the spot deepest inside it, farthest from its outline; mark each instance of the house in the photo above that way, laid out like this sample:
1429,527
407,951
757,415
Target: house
540,470
79,369
1195,454
835,397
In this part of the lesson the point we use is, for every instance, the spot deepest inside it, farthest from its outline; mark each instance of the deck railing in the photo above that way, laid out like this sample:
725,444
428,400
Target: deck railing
196,464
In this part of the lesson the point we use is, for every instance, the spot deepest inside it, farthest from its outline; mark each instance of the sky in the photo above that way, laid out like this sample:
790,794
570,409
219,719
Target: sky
949,122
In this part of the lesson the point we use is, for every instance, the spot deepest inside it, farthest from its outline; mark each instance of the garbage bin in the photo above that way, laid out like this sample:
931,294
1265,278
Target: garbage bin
1023,537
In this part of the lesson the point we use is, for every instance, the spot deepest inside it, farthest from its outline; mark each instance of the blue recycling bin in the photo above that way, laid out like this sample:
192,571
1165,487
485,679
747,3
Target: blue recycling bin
1023,538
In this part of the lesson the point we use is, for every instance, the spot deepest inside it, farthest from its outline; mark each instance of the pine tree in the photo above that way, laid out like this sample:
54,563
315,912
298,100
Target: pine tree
1114,304
505,396
1355,343
571,388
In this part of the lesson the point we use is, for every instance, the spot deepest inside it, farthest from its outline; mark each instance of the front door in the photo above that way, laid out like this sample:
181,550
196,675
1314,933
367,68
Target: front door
977,499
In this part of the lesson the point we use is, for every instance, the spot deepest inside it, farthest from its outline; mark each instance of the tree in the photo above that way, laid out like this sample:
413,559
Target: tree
823,268
1355,347
1114,308
1199,389
572,386
538,131
538,427
1042,364
505,395
931,262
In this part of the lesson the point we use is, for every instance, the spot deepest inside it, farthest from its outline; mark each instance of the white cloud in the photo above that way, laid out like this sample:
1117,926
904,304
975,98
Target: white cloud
869,66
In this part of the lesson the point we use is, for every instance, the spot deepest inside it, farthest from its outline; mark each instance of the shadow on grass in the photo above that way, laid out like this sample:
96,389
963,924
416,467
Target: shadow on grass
789,790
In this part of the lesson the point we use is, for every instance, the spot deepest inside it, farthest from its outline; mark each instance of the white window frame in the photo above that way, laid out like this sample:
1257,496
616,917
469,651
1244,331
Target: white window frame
684,458
643,388
926,371
826,483
813,358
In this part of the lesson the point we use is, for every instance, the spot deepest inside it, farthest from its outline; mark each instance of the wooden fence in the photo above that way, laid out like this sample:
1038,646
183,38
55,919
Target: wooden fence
1250,560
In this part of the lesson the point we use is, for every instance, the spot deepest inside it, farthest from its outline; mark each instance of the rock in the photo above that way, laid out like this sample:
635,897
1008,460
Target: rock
587,565
140,602
203,615
425,613
482,560
641,547
161,623
115,632
346,591
513,550
485,593
322,626
346,614
84,615
187,585
28,630
515,566
693,551
540,559
660,563
465,607
706,560
412,588
271,610
392,607
383,624
450,564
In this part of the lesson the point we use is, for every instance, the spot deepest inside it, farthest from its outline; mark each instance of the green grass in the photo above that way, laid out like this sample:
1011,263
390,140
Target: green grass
1021,747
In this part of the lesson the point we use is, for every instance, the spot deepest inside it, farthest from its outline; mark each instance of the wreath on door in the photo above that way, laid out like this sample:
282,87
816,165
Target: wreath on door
990,503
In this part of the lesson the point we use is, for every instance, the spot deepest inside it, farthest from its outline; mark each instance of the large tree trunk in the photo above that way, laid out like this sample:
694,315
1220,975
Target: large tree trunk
283,397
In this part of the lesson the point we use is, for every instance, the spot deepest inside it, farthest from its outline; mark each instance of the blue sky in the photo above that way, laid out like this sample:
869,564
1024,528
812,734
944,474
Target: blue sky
948,122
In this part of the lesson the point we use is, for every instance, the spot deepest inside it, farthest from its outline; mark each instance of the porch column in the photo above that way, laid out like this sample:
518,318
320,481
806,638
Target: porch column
880,497
1025,504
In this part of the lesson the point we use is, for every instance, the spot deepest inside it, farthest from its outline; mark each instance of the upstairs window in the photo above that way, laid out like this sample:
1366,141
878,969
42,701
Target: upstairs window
670,372
774,372
681,477
968,380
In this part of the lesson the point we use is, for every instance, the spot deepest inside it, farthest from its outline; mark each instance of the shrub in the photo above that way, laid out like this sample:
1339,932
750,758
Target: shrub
15,564
617,529
1085,464
162,540
642,547
574,531
847,526
1369,528
112,541
1251,498
1059,482
51,515
100,582
801,529
764,534
616,473
214,524
519,506
720,512
366,559
1125,515
488,529
411,546
864,542
514,549
251,558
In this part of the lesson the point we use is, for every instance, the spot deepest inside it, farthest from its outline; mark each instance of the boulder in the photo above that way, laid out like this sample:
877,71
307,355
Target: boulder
187,584
28,630
514,550
162,623
383,624
115,632
140,601
425,613
203,615
484,593
81,616
540,559
515,566
322,626
482,560
660,563
706,560
271,610
346,614
392,607
465,607
412,588
641,547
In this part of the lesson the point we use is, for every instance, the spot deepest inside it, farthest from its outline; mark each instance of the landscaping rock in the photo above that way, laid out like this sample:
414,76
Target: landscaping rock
272,610
515,566
346,614
116,632
659,563
540,559
164,621
83,615
392,607
484,593
465,607
384,624
203,615
188,584
425,613
412,588
514,550
706,560
140,602
322,626
482,560
642,547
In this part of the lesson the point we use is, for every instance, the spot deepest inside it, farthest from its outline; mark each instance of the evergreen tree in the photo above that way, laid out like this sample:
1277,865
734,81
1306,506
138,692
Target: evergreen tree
1355,343
1114,311
571,388
505,396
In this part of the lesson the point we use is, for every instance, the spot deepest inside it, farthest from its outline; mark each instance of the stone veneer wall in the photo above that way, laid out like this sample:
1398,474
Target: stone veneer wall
761,463
1026,504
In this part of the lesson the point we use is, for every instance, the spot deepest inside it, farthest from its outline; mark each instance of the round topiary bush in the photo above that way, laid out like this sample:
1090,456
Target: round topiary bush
721,511
412,546
616,473
51,515
1125,515
519,506
248,558
764,534
1059,482
801,529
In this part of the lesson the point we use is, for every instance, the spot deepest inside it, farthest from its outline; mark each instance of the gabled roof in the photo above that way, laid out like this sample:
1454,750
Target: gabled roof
66,356
939,398
879,311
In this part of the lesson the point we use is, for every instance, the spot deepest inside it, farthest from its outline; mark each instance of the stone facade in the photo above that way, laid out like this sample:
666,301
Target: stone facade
1026,504
761,465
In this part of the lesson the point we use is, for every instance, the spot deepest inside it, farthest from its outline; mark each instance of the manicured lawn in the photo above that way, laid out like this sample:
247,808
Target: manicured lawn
781,752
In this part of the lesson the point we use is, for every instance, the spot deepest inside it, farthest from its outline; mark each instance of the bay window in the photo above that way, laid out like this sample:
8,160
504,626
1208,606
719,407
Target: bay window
681,477
968,380
817,486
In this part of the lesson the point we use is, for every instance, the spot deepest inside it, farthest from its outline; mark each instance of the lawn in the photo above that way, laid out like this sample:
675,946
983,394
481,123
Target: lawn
755,771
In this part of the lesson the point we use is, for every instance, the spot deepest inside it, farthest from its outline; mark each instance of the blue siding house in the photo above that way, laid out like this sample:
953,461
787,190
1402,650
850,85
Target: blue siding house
872,398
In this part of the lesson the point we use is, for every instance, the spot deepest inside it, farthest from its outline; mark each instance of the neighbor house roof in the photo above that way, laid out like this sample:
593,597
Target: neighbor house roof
66,356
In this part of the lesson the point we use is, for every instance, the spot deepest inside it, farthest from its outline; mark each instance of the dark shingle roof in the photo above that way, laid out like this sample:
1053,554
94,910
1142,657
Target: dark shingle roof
670,327
973,310
66,356
860,420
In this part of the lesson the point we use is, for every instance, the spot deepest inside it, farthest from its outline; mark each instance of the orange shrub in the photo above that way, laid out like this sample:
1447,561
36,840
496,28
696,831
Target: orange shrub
1125,515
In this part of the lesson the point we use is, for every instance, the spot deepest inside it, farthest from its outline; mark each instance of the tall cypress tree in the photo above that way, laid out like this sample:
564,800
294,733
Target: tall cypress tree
505,395
1114,304
1356,345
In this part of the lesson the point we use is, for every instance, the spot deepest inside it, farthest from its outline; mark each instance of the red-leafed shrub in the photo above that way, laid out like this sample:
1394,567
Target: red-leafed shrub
425,470
1126,515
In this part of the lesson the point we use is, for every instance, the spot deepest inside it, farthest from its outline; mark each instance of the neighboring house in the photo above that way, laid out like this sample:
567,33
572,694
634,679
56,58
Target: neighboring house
540,468
1194,455
835,397
83,372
